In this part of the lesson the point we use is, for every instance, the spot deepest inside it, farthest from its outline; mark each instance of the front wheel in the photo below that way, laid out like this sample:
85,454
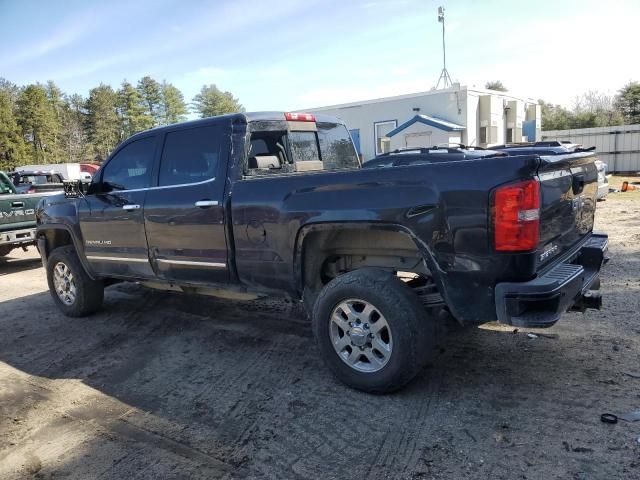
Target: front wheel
73,291
372,330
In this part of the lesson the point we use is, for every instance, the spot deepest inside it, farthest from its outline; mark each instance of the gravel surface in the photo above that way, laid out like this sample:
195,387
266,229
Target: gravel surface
162,385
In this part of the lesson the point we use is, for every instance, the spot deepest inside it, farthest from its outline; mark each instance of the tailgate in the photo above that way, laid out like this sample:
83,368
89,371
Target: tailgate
17,211
568,190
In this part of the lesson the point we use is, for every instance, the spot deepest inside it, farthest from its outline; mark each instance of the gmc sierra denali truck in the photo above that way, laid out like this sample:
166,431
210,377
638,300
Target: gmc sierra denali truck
17,217
254,204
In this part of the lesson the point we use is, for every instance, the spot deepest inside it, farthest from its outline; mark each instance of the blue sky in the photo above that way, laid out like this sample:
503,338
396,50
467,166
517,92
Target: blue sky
286,54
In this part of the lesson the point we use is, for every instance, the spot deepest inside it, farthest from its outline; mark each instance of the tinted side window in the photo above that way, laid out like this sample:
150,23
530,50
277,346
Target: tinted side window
190,155
130,169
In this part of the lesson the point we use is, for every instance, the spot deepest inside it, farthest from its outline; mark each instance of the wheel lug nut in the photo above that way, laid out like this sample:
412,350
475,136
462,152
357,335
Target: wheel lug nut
366,325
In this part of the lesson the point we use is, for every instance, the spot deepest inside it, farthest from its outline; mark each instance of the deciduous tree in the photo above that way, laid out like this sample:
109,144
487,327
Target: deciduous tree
75,143
628,102
495,85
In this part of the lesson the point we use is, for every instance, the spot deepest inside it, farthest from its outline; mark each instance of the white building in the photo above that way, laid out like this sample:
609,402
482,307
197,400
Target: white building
460,114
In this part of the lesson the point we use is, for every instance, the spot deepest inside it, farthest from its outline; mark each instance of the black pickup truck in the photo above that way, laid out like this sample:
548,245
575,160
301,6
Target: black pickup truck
254,204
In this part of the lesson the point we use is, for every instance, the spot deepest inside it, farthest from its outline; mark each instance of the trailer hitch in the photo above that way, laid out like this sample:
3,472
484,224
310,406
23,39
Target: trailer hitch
591,299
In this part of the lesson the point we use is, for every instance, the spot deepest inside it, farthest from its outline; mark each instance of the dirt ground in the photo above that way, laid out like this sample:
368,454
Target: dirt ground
167,386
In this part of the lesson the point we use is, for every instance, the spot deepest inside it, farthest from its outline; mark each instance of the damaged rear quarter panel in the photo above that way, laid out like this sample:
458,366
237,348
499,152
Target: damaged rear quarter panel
443,206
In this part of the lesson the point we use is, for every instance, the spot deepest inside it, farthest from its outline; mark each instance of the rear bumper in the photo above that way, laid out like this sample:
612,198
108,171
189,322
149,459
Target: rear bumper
25,236
540,302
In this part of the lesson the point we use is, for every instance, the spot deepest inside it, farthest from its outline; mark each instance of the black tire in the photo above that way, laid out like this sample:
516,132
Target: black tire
89,293
413,331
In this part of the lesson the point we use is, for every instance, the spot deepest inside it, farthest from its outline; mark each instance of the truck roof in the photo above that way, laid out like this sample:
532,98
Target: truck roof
243,117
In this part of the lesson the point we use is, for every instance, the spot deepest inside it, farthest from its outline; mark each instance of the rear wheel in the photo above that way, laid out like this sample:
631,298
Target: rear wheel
74,292
372,330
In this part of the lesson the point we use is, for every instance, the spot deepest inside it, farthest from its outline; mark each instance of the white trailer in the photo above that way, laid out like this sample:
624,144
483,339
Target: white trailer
68,171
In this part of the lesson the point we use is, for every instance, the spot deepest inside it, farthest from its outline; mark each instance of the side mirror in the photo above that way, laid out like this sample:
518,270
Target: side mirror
74,188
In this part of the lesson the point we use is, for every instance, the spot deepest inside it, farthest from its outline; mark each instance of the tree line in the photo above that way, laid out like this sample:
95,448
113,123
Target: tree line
40,124
591,109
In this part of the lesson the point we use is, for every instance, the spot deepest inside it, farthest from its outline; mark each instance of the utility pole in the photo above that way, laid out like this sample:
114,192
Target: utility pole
444,75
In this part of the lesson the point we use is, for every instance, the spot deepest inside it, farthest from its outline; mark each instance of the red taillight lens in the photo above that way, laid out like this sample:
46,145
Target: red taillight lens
517,216
299,117
31,190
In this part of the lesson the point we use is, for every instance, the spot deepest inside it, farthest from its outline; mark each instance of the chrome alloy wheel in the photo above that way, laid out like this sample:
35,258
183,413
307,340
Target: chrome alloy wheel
64,283
360,335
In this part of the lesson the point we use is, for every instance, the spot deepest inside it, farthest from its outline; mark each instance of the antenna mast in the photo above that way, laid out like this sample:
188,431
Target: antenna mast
444,75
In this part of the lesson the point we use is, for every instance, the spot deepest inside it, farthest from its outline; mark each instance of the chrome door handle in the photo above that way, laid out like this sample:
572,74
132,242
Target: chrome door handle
206,203
17,204
131,207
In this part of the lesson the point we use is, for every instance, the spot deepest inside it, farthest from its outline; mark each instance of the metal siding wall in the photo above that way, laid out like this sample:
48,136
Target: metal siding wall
618,146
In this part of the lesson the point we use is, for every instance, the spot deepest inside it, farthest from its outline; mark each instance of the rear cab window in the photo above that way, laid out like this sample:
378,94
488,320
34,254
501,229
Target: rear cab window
297,147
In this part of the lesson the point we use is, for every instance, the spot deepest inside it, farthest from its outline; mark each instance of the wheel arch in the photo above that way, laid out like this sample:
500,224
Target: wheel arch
392,240
52,236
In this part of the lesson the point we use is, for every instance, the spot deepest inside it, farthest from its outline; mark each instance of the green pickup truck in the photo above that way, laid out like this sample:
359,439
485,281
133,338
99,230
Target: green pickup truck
17,217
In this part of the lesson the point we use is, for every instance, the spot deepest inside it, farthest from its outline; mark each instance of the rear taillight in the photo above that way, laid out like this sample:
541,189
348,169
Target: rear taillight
31,190
517,216
299,117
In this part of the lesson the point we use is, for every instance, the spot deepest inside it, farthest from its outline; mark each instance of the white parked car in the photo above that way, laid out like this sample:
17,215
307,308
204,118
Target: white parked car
603,182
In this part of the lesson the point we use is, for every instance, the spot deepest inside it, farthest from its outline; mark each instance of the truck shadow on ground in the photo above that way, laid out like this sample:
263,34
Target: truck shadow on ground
10,264
240,387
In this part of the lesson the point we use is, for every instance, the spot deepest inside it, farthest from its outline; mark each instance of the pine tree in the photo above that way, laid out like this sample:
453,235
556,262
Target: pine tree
211,102
131,111
12,147
10,89
39,126
151,95
174,109
102,120
56,104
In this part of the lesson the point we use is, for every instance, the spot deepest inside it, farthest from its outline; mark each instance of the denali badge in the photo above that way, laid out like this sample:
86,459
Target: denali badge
549,251
98,242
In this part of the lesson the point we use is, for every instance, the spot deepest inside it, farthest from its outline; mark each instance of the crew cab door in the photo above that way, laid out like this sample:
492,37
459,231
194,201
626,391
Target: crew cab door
184,213
111,213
